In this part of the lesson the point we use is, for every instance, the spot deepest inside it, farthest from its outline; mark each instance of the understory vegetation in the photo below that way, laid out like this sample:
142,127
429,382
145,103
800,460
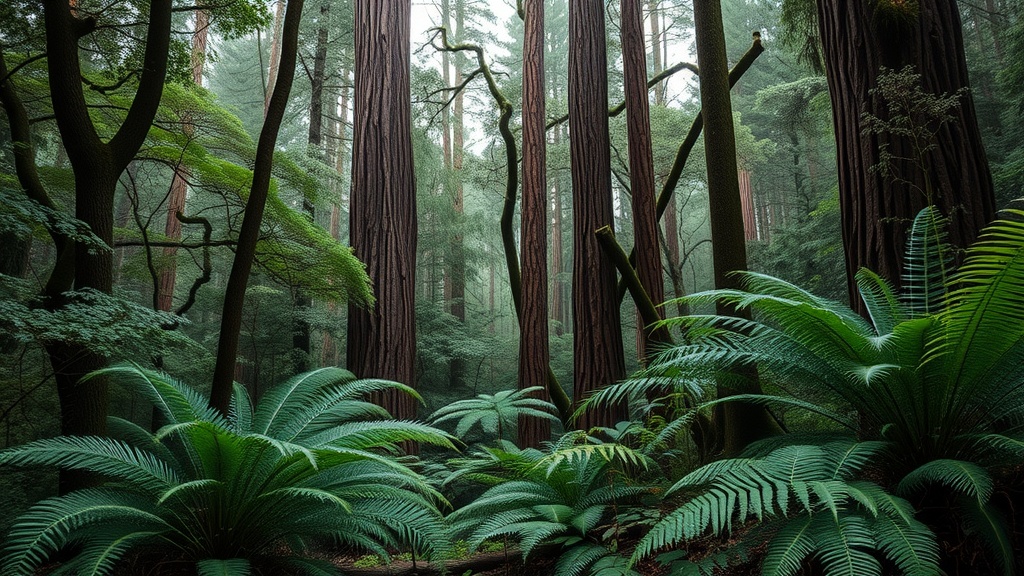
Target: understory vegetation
902,456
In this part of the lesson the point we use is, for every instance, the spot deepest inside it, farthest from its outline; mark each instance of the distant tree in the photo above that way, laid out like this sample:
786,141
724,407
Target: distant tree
534,353
878,205
597,334
382,338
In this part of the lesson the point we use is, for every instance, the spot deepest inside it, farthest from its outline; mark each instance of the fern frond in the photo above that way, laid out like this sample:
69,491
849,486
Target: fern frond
880,299
229,567
106,456
988,525
926,262
966,478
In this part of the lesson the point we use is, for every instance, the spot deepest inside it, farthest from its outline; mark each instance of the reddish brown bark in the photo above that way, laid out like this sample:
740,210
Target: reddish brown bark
641,160
559,309
179,183
534,354
875,207
747,204
597,342
382,338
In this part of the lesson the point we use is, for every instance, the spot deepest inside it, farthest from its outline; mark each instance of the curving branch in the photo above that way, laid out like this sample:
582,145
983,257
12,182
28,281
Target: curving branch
683,154
618,108
439,40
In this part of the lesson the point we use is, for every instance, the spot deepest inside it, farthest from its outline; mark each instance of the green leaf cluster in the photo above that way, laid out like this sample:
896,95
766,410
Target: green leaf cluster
312,462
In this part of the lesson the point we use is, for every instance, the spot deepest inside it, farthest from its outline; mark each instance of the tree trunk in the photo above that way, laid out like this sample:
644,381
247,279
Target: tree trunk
329,353
641,160
96,165
656,42
876,209
248,235
597,335
534,354
741,423
275,56
301,303
456,274
558,289
179,183
382,339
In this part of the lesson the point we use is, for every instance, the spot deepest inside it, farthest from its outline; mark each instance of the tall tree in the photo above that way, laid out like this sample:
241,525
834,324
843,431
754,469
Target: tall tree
314,141
248,235
455,274
97,165
179,182
740,422
878,205
382,339
534,354
641,158
597,337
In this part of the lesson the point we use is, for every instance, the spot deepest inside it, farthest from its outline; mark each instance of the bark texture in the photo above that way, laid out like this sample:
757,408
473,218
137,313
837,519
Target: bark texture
876,209
534,354
597,337
641,160
96,165
382,338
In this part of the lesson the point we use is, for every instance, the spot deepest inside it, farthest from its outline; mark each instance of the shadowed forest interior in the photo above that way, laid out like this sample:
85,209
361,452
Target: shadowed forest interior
571,288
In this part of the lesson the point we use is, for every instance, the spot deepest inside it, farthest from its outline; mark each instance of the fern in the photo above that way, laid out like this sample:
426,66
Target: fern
217,488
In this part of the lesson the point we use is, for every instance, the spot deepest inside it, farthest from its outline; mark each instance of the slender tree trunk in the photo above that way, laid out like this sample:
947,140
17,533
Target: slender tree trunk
248,235
641,160
741,423
301,303
656,42
96,165
179,183
597,342
329,354
876,208
382,339
557,267
275,55
534,354
456,275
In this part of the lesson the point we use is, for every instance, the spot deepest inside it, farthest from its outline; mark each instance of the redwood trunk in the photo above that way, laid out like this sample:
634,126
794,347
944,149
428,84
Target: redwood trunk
382,339
641,161
876,208
597,336
534,355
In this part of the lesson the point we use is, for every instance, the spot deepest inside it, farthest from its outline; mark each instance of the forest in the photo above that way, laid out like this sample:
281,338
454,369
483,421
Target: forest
508,287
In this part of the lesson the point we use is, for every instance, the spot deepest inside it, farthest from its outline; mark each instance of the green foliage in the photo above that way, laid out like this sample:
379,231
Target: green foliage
809,504
257,488
565,497
935,375
495,413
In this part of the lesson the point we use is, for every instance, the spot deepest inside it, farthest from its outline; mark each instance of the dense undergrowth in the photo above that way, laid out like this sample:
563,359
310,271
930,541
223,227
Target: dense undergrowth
906,433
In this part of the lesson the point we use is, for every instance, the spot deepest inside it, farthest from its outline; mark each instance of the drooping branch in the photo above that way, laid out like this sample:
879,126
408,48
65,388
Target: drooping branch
62,277
558,396
683,154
